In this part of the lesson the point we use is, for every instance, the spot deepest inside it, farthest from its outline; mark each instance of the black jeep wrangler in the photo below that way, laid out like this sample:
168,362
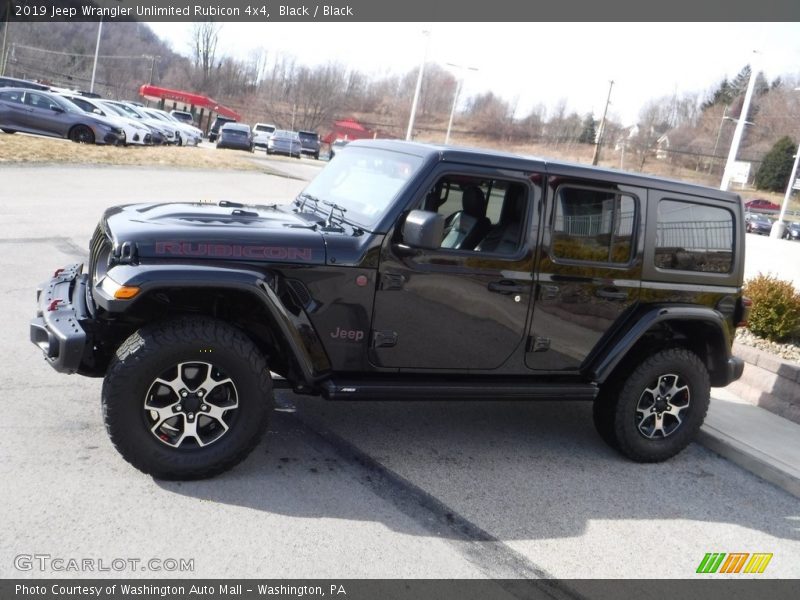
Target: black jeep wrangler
406,271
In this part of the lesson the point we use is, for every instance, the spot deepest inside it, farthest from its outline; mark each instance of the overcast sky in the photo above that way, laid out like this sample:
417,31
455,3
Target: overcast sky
535,62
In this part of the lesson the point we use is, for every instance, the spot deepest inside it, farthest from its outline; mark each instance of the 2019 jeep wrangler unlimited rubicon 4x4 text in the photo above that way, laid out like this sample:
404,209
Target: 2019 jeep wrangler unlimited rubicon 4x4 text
404,270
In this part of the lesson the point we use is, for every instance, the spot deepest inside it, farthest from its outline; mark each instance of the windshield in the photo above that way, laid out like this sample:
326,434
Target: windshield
365,182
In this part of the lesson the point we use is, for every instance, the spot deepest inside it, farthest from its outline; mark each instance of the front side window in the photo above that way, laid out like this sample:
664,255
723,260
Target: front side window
694,237
481,214
593,225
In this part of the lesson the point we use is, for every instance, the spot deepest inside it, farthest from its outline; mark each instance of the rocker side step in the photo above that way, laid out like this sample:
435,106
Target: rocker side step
399,389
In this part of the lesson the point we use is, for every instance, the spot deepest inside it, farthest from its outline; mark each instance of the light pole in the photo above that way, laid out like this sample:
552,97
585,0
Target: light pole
599,142
96,52
737,134
427,34
455,98
5,37
779,227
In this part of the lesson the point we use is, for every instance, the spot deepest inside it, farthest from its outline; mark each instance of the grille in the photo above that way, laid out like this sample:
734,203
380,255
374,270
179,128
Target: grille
99,249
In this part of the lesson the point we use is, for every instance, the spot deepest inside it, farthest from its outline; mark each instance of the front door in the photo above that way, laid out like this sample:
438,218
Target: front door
464,305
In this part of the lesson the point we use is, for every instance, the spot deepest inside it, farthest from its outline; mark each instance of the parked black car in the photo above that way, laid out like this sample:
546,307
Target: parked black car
406,271
792,231
236,136
310,143
45,113
757,223
218,122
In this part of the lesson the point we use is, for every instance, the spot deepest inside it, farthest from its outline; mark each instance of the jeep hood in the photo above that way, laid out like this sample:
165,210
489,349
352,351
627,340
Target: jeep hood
225,231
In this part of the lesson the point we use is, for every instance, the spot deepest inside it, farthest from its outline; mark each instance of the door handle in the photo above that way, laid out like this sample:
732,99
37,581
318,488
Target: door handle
611,294
506,287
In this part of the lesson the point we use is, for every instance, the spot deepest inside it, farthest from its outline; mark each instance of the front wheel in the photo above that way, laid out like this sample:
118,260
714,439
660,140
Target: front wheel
81,134
656,411
186,399
9,131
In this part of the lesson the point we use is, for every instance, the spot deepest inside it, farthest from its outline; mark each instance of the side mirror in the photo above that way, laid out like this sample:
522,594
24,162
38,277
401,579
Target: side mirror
56,108
423,229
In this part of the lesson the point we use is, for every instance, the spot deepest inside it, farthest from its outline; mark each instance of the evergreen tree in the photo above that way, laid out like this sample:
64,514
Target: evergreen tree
588,133
739,83
774,172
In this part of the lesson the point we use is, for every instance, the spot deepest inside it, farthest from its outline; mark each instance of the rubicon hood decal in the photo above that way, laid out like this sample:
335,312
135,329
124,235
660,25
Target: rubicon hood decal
216,250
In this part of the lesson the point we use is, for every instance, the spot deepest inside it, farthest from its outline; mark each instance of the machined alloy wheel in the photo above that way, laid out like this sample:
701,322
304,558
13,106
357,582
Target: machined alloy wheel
660,410
191,404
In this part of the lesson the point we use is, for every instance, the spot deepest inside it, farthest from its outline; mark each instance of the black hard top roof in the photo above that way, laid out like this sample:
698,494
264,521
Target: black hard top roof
518,162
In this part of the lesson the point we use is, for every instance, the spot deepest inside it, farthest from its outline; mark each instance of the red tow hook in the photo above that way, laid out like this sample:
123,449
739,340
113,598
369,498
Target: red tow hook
58,272
54,304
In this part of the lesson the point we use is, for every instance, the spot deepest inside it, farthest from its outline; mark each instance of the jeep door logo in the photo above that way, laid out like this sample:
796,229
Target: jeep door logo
348,335
191,249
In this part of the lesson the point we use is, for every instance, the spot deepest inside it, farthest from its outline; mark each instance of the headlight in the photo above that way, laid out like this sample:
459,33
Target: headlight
116,290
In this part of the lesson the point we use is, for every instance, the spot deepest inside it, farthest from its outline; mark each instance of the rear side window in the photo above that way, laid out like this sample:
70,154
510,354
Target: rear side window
694,237
593,225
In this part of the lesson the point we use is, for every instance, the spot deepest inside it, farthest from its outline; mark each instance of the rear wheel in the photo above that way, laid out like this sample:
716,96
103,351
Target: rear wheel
656,411
81,134
186,399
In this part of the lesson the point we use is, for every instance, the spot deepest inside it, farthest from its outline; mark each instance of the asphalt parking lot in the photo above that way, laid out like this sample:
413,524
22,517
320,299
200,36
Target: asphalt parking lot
417,489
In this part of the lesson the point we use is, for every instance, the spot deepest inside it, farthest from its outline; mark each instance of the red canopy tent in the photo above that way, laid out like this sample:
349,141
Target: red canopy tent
348,129
188,100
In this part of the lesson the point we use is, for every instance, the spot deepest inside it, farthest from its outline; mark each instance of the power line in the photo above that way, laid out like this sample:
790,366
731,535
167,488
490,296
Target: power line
71,54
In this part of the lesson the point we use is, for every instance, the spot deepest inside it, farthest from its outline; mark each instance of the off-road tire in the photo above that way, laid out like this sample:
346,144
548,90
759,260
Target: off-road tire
145,355
615,409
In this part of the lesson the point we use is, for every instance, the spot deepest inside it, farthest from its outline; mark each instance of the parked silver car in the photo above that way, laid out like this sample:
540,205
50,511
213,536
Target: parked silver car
285,142
45,113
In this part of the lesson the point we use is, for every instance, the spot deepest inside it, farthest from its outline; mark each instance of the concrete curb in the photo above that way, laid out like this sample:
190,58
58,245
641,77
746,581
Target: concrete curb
750,459
760,442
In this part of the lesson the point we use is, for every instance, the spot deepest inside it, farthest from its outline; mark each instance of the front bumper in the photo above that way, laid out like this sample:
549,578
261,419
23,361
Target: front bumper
57,328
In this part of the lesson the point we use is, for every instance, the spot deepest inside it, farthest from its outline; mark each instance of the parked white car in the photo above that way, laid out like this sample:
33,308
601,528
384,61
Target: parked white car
171,134
261,134
135,133
190,135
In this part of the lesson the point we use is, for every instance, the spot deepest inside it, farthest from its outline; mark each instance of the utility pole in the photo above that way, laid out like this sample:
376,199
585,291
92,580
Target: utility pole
600,133
419,87
737,134
152,66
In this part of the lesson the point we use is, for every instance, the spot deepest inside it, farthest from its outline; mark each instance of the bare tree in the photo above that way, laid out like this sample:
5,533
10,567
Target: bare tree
204,40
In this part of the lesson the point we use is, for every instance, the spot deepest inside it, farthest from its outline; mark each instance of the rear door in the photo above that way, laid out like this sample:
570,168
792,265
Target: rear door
590,270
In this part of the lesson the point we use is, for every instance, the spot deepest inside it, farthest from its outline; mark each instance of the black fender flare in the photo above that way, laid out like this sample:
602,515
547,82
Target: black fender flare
295,326
610,355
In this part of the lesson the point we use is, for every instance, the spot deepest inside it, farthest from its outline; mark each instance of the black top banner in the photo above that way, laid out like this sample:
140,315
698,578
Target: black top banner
399,11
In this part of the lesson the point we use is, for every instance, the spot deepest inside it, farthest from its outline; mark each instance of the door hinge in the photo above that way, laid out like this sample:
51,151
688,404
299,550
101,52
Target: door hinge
392,281
537,343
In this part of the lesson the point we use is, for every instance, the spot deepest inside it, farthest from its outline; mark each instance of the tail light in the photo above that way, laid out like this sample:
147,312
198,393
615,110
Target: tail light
744,312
